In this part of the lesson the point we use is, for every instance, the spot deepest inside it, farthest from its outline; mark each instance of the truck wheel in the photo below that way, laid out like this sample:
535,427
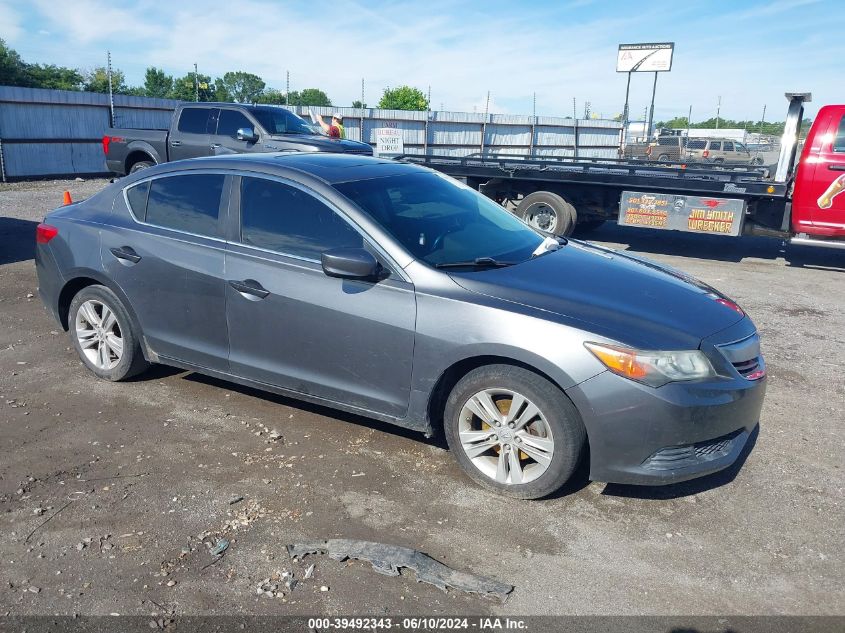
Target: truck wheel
141,164
548,212
718,161
663,158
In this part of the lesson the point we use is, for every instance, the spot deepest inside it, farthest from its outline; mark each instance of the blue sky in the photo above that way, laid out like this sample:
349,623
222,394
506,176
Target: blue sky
746,51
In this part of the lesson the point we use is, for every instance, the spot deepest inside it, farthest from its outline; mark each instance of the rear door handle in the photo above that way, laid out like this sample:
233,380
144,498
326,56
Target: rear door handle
175,143
836,167
126,253
249,287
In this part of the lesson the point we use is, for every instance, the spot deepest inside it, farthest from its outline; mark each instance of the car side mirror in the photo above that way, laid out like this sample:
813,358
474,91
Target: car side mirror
247,134
350,263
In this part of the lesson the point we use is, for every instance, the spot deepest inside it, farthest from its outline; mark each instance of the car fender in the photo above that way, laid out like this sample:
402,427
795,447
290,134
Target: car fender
147,148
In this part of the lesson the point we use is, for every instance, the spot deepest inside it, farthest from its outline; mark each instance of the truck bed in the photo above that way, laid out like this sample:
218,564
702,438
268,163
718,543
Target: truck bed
687,178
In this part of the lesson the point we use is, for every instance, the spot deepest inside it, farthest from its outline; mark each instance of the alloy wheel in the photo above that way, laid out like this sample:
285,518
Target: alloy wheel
98,334
505,436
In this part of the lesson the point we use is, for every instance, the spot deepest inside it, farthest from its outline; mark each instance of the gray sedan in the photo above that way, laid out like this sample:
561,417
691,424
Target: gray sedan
392,291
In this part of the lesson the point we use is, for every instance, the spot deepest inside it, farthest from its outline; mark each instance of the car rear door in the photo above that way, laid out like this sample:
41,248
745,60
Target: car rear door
291,325
167,256
190,137
714,149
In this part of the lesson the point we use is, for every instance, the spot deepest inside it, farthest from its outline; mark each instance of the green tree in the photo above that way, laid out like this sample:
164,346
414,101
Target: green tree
403,98
272,96
12,68
243,87
157,83
184,88
358,104
97,80
313,97
55,77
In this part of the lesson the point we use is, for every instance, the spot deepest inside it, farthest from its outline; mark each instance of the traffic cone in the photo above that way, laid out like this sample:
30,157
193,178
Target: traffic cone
67,199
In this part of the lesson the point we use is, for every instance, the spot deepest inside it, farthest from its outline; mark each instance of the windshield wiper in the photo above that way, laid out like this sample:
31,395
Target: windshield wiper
478,262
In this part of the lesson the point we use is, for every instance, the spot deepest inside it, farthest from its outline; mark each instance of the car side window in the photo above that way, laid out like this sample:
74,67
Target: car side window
839,139
715,145
137,197
189,203
193,120
696,145
230,122
728,146
287,220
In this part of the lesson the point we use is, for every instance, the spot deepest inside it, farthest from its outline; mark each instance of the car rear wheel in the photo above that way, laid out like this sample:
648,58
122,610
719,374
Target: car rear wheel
102,334
513,432
663,158
548,212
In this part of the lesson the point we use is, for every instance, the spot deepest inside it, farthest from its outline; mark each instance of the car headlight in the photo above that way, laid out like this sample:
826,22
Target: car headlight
653,368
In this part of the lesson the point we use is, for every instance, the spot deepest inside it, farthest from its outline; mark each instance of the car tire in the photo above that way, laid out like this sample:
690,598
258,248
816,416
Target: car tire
557,424
536,207
663,158
97,343
718,161
141,164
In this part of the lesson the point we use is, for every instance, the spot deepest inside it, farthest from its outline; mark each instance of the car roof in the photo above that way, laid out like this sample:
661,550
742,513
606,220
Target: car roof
329,167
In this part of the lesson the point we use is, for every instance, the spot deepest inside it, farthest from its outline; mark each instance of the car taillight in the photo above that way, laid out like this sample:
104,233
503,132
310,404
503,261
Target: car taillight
110,139
44,233
705,153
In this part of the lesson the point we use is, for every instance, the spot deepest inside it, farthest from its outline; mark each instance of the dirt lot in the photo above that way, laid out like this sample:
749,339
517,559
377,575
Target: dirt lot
140,472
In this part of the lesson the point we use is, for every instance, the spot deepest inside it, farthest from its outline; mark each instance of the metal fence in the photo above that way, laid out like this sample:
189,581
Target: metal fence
59,133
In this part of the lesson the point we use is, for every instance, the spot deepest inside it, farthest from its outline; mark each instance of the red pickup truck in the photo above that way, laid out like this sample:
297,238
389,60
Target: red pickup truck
801,202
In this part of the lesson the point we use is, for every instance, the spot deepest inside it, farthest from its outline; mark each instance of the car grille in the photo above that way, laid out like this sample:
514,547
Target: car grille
680,456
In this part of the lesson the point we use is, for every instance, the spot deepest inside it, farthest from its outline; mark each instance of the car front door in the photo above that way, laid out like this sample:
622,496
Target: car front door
225,138
292,326
190,137
168,258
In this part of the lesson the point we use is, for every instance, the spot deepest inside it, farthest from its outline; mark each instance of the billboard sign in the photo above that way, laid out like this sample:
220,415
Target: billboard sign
694,214
656,57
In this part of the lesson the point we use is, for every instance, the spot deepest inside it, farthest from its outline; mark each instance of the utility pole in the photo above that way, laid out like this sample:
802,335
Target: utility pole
689,121
111,90
196,84
763,119
651,109
718,108
287,87
533,126
363,103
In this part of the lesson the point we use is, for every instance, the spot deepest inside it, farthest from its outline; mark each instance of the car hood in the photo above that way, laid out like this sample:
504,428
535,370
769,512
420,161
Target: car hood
323,143
627,299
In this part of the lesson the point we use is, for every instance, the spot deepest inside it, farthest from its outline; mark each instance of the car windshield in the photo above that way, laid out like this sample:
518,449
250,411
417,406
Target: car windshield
443,222
280,121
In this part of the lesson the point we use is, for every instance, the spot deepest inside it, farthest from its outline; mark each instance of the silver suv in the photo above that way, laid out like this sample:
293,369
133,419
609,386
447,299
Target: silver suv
719,151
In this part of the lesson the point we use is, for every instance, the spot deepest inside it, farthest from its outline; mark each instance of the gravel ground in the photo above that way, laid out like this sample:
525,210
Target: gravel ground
133,478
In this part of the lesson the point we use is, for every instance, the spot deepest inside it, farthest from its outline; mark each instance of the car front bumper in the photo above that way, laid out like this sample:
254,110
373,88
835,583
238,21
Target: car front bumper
642,435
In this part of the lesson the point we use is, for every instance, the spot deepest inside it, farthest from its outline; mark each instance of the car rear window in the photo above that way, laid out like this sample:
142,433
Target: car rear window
137,197
194,120
189,203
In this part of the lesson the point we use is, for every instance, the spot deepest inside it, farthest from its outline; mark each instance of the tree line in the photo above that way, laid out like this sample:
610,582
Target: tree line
234,86
773,128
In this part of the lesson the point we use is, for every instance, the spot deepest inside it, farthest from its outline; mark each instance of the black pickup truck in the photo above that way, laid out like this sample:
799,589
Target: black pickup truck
206,129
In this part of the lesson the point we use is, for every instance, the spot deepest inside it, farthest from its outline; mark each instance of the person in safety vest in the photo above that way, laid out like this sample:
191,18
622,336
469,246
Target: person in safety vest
335,130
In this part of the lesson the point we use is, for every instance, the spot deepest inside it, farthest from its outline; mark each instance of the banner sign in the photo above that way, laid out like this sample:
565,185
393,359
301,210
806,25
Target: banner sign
645,57
694,214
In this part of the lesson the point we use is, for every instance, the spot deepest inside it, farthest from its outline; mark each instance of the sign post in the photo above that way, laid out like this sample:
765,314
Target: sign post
653,57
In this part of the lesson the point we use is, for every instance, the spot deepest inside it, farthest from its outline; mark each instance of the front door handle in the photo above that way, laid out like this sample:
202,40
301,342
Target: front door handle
249,287
836,167
175,143
126,253
215,145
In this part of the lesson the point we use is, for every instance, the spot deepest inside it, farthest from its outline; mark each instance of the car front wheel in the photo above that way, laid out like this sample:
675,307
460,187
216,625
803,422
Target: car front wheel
513,431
